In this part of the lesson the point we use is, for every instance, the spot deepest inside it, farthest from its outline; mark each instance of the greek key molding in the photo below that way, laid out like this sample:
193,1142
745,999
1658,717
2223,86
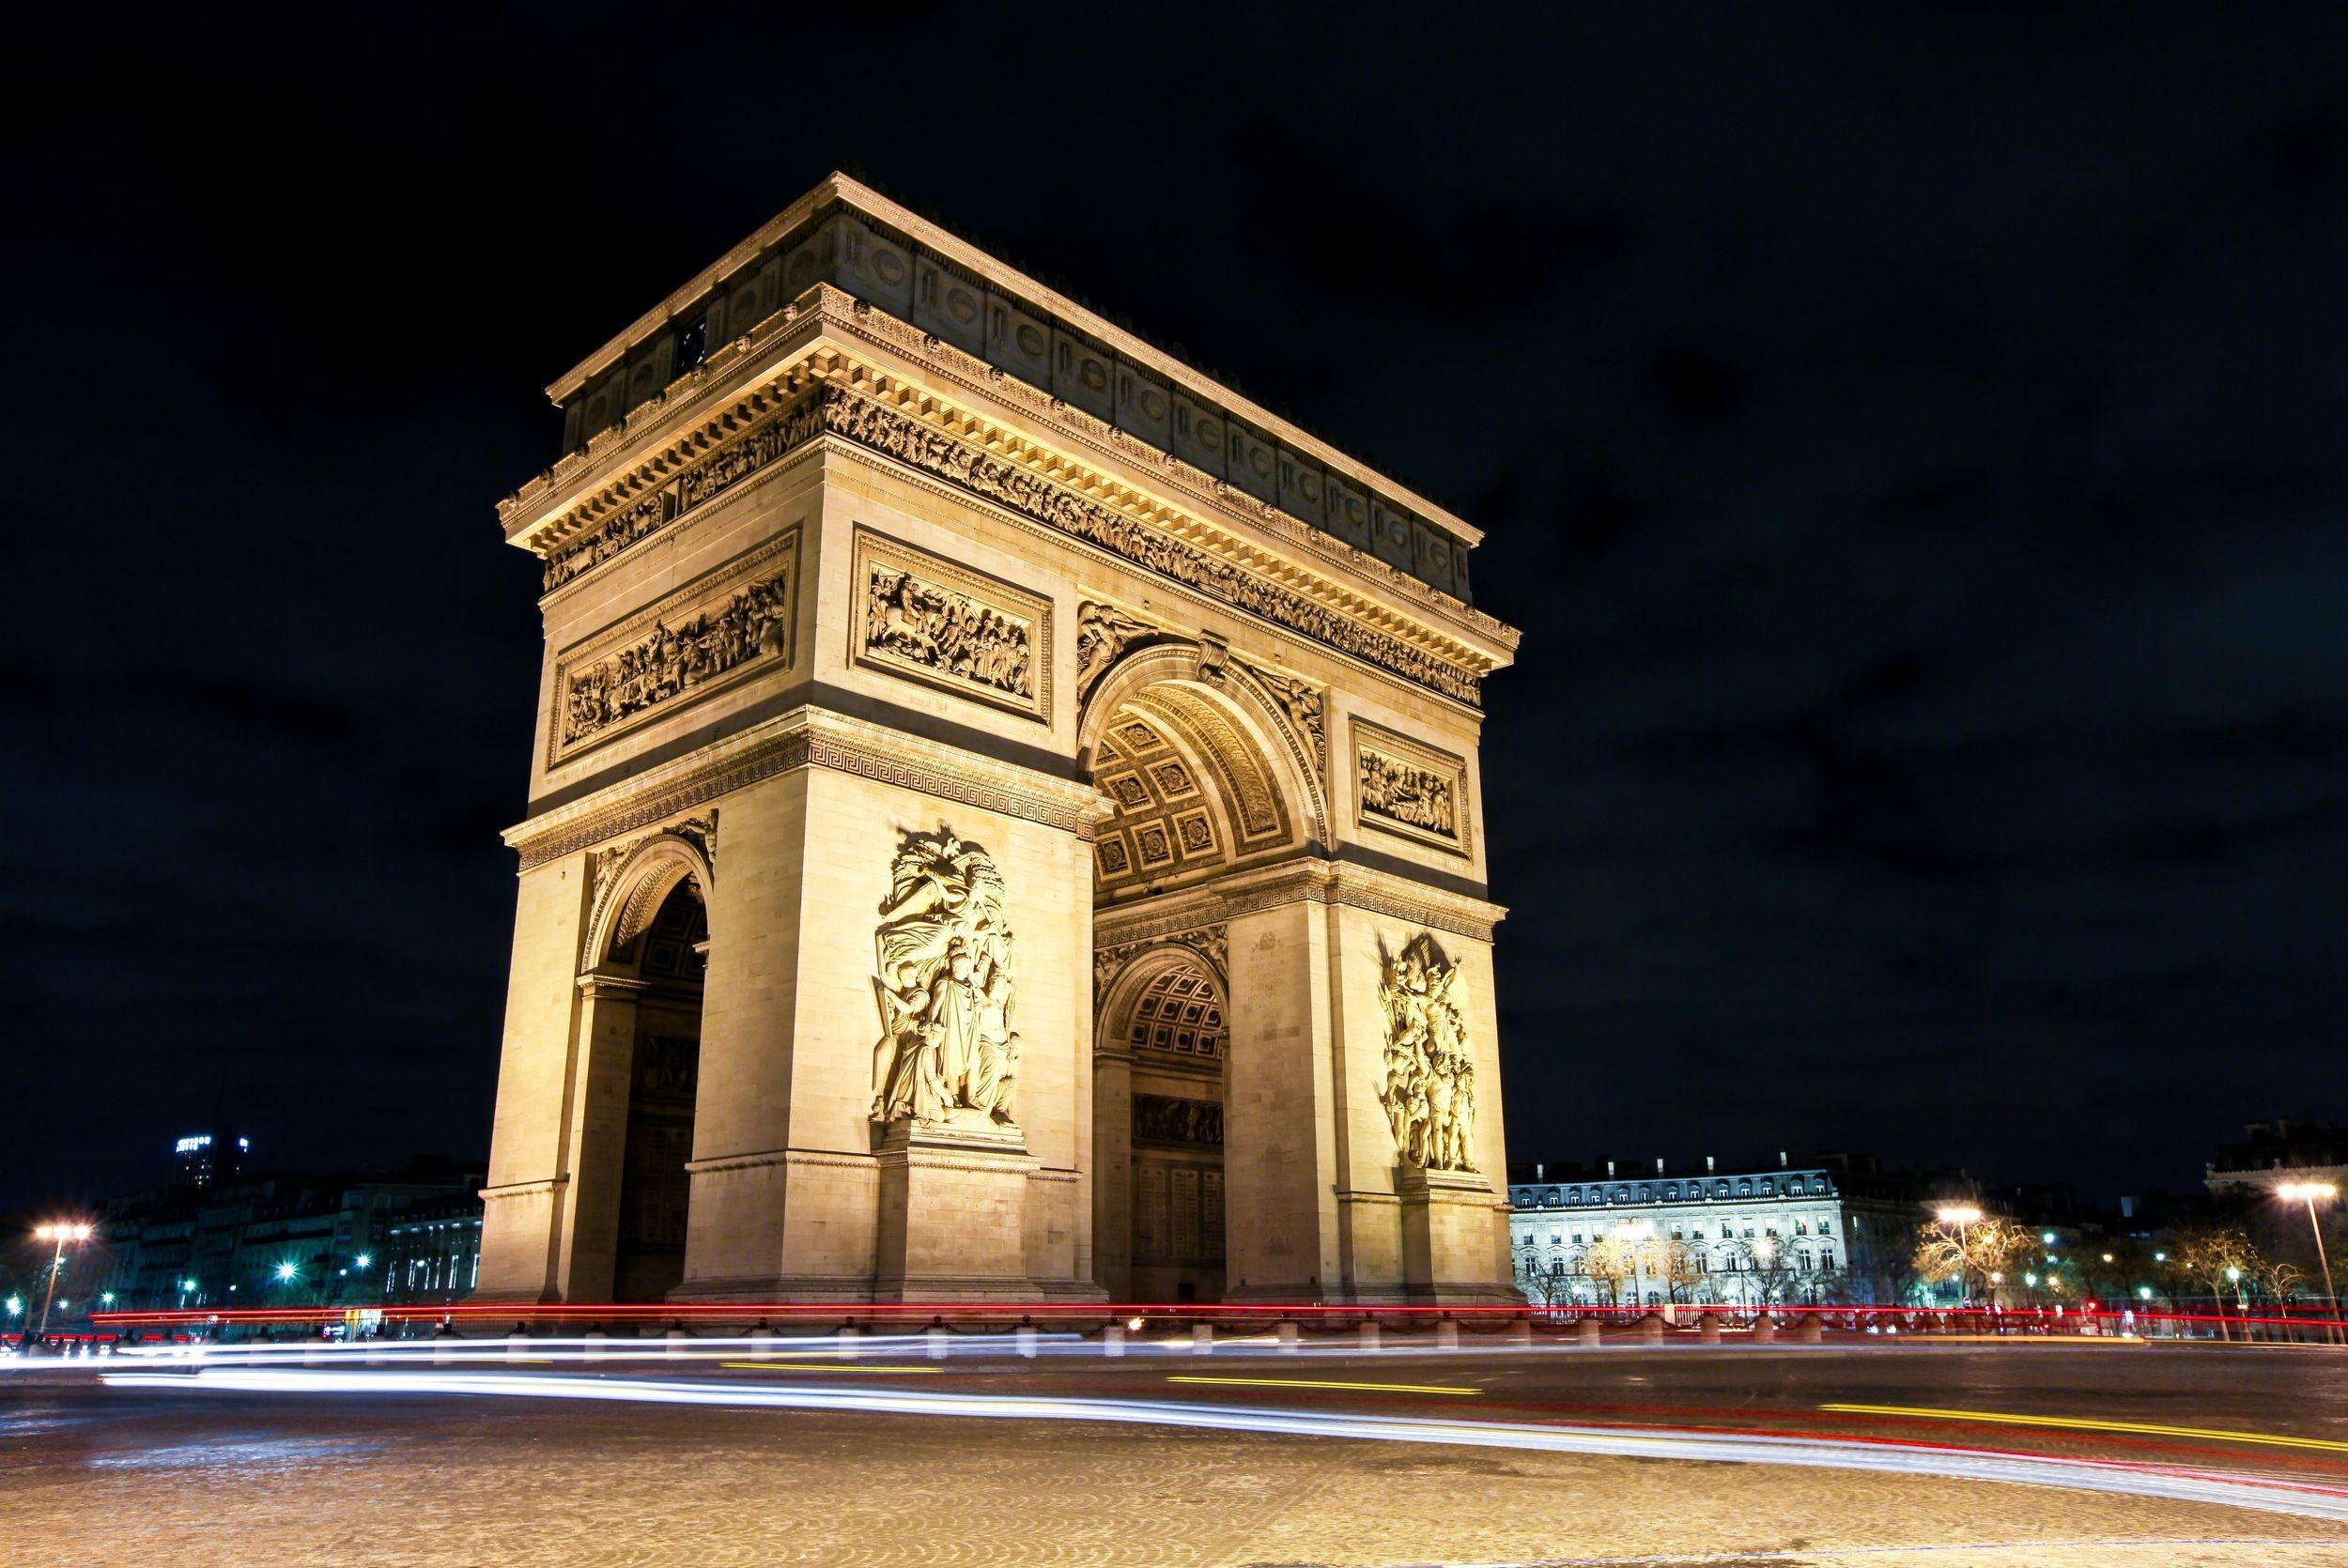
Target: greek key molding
819,742
1317,881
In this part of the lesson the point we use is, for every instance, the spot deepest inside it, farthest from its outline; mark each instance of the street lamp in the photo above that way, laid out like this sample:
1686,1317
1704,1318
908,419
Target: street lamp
2311,1193
60,1234
1960,1215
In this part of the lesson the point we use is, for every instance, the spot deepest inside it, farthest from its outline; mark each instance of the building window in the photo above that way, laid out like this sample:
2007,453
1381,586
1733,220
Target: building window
1826,1257
1802,1227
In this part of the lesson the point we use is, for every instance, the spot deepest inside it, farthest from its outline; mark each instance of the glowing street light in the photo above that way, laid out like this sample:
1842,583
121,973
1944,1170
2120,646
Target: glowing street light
61,1233
288,1271
2311,1193
362,1261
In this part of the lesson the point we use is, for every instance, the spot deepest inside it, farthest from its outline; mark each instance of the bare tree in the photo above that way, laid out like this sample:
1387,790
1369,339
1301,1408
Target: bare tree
2217,1257
1613,1261
1984,1250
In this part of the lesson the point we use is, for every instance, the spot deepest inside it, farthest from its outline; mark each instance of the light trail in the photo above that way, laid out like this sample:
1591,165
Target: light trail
1322,1383
834,1367
2173,1485
2084,1424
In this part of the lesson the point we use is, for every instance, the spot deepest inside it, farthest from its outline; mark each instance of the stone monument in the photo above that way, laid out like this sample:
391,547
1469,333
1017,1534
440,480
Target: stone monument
1003,819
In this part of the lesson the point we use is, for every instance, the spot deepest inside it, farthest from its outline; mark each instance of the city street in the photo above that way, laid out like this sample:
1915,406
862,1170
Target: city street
1556,1456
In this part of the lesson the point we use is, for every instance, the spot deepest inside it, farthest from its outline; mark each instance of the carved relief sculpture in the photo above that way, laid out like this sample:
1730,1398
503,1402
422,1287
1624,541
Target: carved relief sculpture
1304,705
1172,1119
924,618
836,411
1102,632
697,638
1428,1089
1404,786
943,982
668,661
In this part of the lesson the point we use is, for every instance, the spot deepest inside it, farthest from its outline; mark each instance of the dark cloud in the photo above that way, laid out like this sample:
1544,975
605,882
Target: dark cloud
1909,440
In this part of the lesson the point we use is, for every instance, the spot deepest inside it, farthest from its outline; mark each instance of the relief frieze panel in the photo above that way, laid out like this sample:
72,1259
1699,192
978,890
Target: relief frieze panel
837,411
706,636
1403,786
931,621
884,430
699,482
1174,1119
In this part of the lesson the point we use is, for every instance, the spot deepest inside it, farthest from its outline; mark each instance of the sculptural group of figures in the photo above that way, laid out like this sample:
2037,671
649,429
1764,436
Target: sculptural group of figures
947,632
1407,794
945,985
1430,1088
671,660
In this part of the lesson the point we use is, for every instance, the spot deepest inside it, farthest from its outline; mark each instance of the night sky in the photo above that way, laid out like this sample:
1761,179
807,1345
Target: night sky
1911,441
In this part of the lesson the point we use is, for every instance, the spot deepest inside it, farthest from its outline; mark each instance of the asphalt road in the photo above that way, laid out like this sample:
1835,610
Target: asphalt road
2121,1454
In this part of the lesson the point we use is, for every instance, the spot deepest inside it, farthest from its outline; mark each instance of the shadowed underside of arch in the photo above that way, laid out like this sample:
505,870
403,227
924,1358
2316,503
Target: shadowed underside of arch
1193,793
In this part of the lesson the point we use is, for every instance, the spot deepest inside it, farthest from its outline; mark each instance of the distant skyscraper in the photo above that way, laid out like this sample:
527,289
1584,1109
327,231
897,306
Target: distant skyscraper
205,1158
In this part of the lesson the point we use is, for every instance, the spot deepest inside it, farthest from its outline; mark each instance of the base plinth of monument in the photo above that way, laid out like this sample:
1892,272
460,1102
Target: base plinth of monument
953,1212
1447,1247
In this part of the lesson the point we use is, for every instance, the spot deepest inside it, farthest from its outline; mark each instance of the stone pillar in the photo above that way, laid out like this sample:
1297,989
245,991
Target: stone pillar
1279,1122
588,1208
1446,1235
525,1195
1113,1171
953,1209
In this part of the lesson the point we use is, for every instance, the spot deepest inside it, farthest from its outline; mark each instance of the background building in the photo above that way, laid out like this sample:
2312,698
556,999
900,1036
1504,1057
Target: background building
2283,1149
1834,1229
218,1237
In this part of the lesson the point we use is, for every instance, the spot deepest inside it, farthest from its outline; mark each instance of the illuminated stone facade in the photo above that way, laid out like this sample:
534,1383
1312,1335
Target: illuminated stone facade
986,774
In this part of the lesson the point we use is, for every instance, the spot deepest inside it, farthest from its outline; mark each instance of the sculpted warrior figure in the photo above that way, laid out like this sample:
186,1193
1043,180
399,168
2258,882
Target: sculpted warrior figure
1102,632
944,984
1429,1091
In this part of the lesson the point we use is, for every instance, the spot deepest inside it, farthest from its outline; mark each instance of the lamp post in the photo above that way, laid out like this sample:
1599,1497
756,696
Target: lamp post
1961,1216
60,1234
2311,1193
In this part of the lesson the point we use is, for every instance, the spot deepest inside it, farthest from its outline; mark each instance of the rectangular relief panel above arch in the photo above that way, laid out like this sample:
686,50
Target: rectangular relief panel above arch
711,635
1411,789
923,618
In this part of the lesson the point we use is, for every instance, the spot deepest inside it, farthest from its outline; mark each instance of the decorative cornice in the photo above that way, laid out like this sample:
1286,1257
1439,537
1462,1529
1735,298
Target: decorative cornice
806,737
868,424
523,1189
1319,882
770,367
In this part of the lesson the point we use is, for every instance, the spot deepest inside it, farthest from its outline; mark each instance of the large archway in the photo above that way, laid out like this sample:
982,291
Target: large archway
1205,779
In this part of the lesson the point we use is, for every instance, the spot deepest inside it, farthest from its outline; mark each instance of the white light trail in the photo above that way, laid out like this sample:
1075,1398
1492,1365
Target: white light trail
2170,1484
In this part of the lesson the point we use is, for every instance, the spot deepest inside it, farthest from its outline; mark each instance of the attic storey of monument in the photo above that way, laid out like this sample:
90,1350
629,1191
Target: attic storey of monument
1055,801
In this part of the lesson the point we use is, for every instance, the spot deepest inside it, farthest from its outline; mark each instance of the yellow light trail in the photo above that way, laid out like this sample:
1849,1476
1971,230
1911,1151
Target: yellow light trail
1318,1383
818,1367
2080,1423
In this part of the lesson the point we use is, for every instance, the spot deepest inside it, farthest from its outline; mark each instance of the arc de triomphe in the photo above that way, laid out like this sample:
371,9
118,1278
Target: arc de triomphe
1004,824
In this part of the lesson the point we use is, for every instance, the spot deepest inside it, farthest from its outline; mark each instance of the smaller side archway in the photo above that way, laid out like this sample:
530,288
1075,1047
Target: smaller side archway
640,1038
1159,1092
